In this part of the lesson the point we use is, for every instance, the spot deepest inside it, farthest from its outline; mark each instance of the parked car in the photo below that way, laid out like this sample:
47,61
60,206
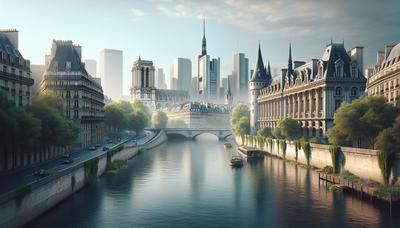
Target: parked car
39,173
68,161
66,156
92,148
105,148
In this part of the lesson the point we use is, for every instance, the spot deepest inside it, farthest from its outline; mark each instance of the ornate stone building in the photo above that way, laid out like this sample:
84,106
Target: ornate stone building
143,87
311,92
15,72
385,75
66,75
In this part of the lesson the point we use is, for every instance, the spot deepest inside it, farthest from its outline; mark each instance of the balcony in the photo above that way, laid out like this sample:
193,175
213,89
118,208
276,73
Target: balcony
16,78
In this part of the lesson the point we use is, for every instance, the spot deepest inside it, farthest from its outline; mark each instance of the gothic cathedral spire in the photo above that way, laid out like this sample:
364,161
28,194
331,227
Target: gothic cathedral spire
290,64
204,43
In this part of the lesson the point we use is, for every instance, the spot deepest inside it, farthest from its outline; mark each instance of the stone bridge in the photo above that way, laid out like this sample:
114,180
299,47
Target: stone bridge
190,133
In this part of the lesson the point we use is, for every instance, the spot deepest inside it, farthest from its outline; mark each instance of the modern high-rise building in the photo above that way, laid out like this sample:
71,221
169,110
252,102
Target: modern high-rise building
111,72
208,74
15,72
224,83
193,89
160,79
37,72
181,70
240,75
66,76
91,67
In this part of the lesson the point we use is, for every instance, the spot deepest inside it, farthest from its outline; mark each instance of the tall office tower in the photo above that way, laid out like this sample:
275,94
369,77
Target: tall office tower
208,74
241,77
193,88
160,79
111,73
91,67
224,83
181,70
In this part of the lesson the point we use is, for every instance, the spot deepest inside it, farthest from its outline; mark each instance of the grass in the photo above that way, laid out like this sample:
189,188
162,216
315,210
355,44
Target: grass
333,188
327,169
116,165
350,177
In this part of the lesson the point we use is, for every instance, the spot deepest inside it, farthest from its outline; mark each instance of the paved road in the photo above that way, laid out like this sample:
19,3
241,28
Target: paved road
20,178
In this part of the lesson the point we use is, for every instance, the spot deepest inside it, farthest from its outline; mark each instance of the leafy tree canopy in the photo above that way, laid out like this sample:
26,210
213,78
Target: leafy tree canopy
287,128
159,120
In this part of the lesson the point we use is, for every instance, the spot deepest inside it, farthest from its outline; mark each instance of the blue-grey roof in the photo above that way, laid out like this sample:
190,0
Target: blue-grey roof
7,47
260,72
65,52
333,53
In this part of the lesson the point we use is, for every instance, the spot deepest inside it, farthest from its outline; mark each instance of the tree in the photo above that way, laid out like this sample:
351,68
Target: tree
138,120
363,119
159,120
265,131
239,112
287,128
242,127
125,106
115,117
139,105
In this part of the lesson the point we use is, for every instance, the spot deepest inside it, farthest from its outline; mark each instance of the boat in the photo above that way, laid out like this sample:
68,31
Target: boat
236,161
250,153
227,145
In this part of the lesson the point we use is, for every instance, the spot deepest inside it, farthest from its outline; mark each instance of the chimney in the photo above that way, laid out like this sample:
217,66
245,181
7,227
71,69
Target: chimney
356,53
284,71
12,36
388,49
380,56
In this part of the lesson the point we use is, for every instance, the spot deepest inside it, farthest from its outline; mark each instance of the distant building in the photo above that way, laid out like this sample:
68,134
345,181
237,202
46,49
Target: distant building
308,92
66,76
37,75
143,87
181,71
91,67
111,72
224,83
228,95
193,88
208,74
240,75
384,76
160,79
15,72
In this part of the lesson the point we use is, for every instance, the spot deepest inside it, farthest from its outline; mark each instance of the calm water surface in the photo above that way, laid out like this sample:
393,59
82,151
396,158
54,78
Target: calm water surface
190,184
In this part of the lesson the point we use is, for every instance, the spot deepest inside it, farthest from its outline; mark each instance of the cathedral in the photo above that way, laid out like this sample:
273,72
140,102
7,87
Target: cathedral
143,87
307,92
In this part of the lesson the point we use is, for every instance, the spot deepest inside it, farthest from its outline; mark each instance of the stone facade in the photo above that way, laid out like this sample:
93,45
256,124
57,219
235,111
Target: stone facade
143,87
66,75
385,75
312,92
15,72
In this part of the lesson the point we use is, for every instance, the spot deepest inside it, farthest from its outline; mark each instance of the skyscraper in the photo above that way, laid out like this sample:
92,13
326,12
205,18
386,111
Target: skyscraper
111,72
241,77
160,79
91,67
208,74
181,70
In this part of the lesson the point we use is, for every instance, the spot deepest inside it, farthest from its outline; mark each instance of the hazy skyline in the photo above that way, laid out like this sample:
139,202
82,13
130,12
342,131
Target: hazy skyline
162,30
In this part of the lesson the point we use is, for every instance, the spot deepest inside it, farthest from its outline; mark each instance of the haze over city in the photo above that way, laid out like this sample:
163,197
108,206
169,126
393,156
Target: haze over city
162,30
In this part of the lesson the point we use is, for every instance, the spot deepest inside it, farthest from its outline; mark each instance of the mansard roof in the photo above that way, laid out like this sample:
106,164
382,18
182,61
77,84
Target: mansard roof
260,72
7,47
331,55
394,53
64,51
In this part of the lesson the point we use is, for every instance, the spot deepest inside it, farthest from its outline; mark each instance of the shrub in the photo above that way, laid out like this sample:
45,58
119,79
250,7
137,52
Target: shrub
327,169
305,145
335,153
314,140
91,168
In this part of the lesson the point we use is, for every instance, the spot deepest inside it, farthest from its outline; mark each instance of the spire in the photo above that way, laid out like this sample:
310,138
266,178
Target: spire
269,69
290,66
259,73
228,91
204,43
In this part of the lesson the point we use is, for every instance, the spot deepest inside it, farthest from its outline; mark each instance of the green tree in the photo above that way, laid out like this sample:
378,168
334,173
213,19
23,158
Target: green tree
242,127
364,118
239,112
126,106
115,117
138,120
265,131
287,128
159,120
139,105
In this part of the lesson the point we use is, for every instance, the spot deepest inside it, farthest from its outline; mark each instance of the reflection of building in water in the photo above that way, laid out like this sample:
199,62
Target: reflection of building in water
200,115
143,87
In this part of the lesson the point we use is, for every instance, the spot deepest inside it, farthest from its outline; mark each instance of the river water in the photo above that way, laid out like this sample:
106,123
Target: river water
190,184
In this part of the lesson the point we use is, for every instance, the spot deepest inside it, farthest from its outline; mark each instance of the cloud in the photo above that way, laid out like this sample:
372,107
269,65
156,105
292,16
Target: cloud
135,14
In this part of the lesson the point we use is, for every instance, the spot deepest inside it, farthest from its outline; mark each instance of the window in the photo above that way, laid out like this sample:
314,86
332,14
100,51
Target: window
353,70
354,91
338,91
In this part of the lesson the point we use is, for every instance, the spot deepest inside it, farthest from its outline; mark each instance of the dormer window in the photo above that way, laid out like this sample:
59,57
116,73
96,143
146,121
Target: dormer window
68,65
339,68
354,71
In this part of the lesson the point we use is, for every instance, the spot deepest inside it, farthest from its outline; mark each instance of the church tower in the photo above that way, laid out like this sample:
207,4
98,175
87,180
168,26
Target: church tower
258,80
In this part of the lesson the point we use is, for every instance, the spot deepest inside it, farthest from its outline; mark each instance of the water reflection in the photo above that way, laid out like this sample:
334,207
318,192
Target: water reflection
190,184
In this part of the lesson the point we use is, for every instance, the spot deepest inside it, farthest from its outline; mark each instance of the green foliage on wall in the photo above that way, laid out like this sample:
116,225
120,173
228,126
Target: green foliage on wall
305,145
91,168
335,156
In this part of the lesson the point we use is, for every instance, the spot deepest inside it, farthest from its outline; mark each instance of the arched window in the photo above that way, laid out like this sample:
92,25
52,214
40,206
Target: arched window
354,91
339,68
338,91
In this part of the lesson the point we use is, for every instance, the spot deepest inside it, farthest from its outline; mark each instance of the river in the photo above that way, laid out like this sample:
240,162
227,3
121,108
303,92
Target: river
190,184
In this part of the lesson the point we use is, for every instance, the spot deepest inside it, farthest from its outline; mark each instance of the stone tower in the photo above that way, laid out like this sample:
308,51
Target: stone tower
259,79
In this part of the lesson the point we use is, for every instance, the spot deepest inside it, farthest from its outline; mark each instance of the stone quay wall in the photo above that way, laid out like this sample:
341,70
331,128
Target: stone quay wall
17,209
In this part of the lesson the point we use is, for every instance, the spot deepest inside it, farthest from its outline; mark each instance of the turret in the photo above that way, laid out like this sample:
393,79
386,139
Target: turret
259,79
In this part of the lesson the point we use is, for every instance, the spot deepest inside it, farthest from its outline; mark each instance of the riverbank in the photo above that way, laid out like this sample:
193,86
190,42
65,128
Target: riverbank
360,163
30,201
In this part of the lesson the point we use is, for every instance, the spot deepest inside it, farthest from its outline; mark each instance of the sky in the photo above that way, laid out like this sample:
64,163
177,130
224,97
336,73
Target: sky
162,30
